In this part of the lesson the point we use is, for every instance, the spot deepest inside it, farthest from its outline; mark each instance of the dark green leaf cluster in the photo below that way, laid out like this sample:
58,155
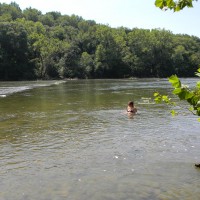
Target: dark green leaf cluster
52,46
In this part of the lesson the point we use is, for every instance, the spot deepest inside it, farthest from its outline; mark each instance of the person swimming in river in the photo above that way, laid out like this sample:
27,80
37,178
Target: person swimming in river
131,108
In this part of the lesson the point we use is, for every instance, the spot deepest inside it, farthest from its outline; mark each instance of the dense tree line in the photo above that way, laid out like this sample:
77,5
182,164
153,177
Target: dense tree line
52,46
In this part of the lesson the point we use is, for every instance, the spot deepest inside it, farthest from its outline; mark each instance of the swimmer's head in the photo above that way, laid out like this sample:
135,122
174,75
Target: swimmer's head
130,103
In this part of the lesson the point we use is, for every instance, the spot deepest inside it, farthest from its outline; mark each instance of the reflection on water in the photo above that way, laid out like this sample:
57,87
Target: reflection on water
75,141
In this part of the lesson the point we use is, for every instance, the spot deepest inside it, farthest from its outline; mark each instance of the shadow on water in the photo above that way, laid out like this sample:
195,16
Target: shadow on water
75,141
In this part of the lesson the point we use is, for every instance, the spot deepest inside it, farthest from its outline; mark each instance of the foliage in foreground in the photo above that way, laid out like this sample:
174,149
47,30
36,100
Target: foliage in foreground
182,91
174,5
192,96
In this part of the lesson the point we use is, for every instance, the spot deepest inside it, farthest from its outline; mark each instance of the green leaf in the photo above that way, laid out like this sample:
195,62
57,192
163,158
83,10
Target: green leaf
170,3
198,119
155,94
189,4
166,99
194,100
173,113
159,3
197,74
177,8
198,111
188,95
198,84
182,95
158,99
185,94
174,80
185,3
175,5
191,108
177,91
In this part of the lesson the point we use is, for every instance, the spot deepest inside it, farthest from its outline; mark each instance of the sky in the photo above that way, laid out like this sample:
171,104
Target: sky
126,13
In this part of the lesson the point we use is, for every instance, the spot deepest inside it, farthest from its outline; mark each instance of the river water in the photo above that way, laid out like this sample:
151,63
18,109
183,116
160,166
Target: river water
73,140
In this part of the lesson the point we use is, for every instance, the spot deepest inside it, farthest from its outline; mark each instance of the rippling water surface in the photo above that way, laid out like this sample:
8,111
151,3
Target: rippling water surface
73,140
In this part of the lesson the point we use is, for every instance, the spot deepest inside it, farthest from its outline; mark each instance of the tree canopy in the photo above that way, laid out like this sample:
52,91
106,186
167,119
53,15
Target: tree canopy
53,46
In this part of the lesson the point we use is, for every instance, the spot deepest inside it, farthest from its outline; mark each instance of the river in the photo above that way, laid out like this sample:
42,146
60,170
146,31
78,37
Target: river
73,140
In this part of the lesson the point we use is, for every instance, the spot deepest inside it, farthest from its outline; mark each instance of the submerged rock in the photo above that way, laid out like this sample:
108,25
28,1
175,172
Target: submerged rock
197,165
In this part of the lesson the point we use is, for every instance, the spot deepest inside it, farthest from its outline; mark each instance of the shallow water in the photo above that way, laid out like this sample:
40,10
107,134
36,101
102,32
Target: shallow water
73,140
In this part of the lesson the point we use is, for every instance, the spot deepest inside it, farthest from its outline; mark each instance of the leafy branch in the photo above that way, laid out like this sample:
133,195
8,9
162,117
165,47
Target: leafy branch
192,96
174,5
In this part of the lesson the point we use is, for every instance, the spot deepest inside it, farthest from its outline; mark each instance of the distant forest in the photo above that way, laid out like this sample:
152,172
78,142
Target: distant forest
55,46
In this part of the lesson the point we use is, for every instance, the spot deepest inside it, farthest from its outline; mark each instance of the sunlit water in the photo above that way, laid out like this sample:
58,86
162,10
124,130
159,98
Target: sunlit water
73,140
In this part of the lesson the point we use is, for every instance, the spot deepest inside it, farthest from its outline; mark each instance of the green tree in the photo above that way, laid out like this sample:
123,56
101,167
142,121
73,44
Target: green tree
87,65
14,52
69,62
32,14
58,32
100,64
59,46
47,19
150,52
108,56
10,11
